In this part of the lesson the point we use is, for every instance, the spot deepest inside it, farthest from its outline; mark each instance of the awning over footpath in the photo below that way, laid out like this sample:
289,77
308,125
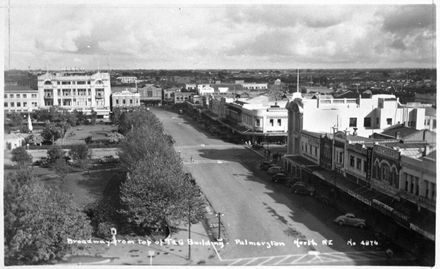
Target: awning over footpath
420,222
302,162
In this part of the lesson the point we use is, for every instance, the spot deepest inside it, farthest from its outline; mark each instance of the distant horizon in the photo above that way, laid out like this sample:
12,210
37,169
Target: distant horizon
220,69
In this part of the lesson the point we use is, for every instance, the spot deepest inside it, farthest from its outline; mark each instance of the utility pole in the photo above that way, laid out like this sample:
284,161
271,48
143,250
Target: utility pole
189,230
219,214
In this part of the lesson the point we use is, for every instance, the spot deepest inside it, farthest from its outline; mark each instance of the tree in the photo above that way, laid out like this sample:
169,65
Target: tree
51,132
38,220
79,152
55,153
93,117
61,168
15,119
35,139
155,193
21,156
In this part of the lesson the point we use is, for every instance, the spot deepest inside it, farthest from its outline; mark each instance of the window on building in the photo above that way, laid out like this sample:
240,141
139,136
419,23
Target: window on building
316,151
365,166
24,104
5,104
341,157
34,95
34,104
18,104
434,123
302,146
426,188
24,95
257,122
149,93
411,180
17,95
12,104
377,121
385,172
131,101
123,101
433,191
351,160
271,122
353,122
310,149
279,122
358,164
367,122
11,96
416,179
117,101
406,182
389,121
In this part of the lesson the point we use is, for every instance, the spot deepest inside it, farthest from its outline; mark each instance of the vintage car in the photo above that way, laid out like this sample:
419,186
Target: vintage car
350,220
300,187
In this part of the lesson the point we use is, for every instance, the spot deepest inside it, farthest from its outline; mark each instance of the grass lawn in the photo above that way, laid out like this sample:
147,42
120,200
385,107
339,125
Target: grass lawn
84,187
77,134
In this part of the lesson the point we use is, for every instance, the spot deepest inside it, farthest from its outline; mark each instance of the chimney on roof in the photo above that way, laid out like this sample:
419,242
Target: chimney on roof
426,150
397,135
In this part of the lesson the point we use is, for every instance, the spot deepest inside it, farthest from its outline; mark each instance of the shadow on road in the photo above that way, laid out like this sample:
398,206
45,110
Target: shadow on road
304,210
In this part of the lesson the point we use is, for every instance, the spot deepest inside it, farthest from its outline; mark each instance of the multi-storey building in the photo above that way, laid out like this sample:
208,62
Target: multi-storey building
359,116
150,94
20,99
125,99
76,91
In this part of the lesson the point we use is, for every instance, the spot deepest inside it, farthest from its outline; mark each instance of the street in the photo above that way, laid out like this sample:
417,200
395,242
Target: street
265,224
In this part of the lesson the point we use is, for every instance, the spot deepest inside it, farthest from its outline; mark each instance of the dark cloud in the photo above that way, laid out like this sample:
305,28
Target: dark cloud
407,18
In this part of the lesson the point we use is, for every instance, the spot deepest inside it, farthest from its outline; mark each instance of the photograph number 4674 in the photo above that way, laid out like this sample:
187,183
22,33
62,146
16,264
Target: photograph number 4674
245,134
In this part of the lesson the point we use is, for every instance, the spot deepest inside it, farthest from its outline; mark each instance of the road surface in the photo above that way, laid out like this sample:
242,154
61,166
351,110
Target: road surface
265,224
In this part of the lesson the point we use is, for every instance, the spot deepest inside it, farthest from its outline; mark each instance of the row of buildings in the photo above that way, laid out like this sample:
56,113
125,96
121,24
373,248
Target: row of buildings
378,151
93,91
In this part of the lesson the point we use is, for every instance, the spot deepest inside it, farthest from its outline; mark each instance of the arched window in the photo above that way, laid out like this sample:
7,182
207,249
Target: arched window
48,82
376,170
385,173
98,82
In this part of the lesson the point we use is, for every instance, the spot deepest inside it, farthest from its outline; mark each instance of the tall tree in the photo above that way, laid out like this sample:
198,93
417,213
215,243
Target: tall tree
38,220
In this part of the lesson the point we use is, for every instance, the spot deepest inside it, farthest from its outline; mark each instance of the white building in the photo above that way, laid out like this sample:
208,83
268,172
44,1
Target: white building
190,87
358,116
76,91
127,79
204,89
20,99
252,85
125,99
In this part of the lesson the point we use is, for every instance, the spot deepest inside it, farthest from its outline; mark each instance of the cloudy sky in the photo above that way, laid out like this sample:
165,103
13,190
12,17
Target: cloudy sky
195,36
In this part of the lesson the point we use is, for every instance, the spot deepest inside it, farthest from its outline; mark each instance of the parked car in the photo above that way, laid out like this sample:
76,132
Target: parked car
300,187
275,169
350,220
279,177
266,165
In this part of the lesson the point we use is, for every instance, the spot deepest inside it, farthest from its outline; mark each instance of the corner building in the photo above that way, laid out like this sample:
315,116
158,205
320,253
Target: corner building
76,91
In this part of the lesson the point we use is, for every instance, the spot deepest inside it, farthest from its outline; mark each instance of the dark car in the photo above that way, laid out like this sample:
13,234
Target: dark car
279,178
301,188
266,165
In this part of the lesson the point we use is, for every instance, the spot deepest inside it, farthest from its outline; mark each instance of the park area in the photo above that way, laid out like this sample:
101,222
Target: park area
78,134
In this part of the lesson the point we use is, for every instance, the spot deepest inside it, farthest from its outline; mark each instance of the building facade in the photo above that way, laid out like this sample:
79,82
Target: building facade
150,94
125,99
76,91
357,116
20,99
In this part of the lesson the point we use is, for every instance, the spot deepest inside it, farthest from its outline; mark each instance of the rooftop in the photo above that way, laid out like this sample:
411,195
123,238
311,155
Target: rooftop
18,88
